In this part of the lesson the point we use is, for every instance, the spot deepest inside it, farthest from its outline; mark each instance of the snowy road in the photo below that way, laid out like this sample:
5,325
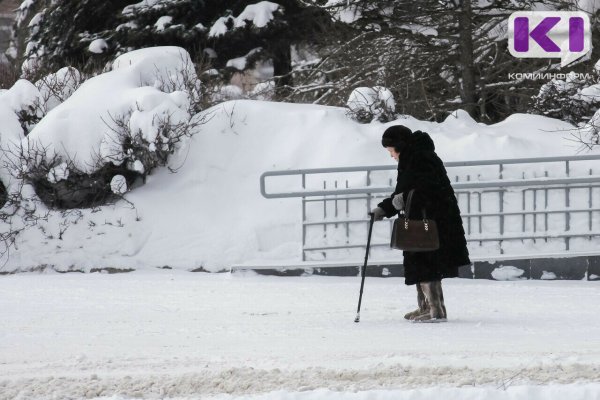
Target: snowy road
170,334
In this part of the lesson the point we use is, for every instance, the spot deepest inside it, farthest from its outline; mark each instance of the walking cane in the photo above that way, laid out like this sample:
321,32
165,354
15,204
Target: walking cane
364,269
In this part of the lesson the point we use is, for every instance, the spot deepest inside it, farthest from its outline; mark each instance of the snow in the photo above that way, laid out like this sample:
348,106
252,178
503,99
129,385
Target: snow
162,22
257,15
507,273
229,92
546,275
222,164
143,5
219,27
57,87
22,96
589,6
420,29
129,91
239,63
37,18
375,100
128,25
118,184
98,46
589,94
58,173
263,90
342,11
26,4
173,334
138,166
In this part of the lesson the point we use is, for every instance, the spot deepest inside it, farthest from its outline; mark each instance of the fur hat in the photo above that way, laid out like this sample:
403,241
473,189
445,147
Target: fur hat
397,136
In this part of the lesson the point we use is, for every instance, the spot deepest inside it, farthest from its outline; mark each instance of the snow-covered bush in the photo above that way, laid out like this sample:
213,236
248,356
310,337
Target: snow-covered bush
27,104
263,91
588,134
126,122
57,87
366,104
31,102
58,182
573,100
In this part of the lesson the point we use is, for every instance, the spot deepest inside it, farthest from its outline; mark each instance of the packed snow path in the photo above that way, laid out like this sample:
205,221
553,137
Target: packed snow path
168,333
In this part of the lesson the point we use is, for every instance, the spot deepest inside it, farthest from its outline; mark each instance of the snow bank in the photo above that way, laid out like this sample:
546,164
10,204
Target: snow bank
211,213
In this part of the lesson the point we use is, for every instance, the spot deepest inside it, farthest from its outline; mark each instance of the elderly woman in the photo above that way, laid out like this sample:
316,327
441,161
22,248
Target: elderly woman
421,169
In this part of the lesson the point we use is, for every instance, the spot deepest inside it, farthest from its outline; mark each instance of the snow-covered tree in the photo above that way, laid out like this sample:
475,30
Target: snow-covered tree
435,56
231,35
266,31
573,99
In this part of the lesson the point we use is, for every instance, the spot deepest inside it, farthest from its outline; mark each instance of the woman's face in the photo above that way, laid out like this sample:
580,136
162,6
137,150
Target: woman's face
393,153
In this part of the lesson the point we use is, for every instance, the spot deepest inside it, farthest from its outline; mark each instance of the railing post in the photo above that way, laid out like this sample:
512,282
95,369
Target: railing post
546,207
590,204
469,207
368,199
534,209
347,214
501,208
324,217
567,205
303,219
336,202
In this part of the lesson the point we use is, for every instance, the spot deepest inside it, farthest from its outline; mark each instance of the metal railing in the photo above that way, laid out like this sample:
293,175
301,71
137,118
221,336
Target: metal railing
545,197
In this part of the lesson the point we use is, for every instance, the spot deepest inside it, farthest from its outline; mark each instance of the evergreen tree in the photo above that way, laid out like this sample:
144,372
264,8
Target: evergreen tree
245,32
435,56
217,30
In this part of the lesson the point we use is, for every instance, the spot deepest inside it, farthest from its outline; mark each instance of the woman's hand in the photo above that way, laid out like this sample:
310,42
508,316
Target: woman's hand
398,202
378,213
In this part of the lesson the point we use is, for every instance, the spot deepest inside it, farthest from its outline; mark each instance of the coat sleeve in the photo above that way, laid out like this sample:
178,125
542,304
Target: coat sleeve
421,175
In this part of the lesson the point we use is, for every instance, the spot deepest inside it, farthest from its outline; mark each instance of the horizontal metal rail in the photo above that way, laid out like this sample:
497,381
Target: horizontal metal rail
472,239
464,215
457,185
504,183
501,193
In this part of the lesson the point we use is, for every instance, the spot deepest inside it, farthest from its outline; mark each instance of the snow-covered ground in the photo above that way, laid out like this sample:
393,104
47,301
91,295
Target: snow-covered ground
176,334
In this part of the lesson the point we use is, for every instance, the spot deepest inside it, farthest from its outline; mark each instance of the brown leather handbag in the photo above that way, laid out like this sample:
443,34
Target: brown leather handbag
414,234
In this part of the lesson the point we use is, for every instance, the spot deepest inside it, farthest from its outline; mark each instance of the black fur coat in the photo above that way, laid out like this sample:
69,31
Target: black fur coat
420,168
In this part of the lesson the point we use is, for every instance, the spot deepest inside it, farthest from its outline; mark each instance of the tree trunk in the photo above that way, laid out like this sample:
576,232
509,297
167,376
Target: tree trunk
282,68
468,87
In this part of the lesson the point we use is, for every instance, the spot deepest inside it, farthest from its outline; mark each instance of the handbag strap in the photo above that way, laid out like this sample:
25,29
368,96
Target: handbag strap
408,203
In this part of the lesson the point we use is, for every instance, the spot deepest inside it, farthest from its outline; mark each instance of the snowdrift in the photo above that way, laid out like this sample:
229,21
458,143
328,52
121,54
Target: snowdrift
210,213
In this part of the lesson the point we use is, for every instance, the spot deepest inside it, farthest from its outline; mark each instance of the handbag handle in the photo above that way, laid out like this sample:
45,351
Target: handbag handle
408,203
